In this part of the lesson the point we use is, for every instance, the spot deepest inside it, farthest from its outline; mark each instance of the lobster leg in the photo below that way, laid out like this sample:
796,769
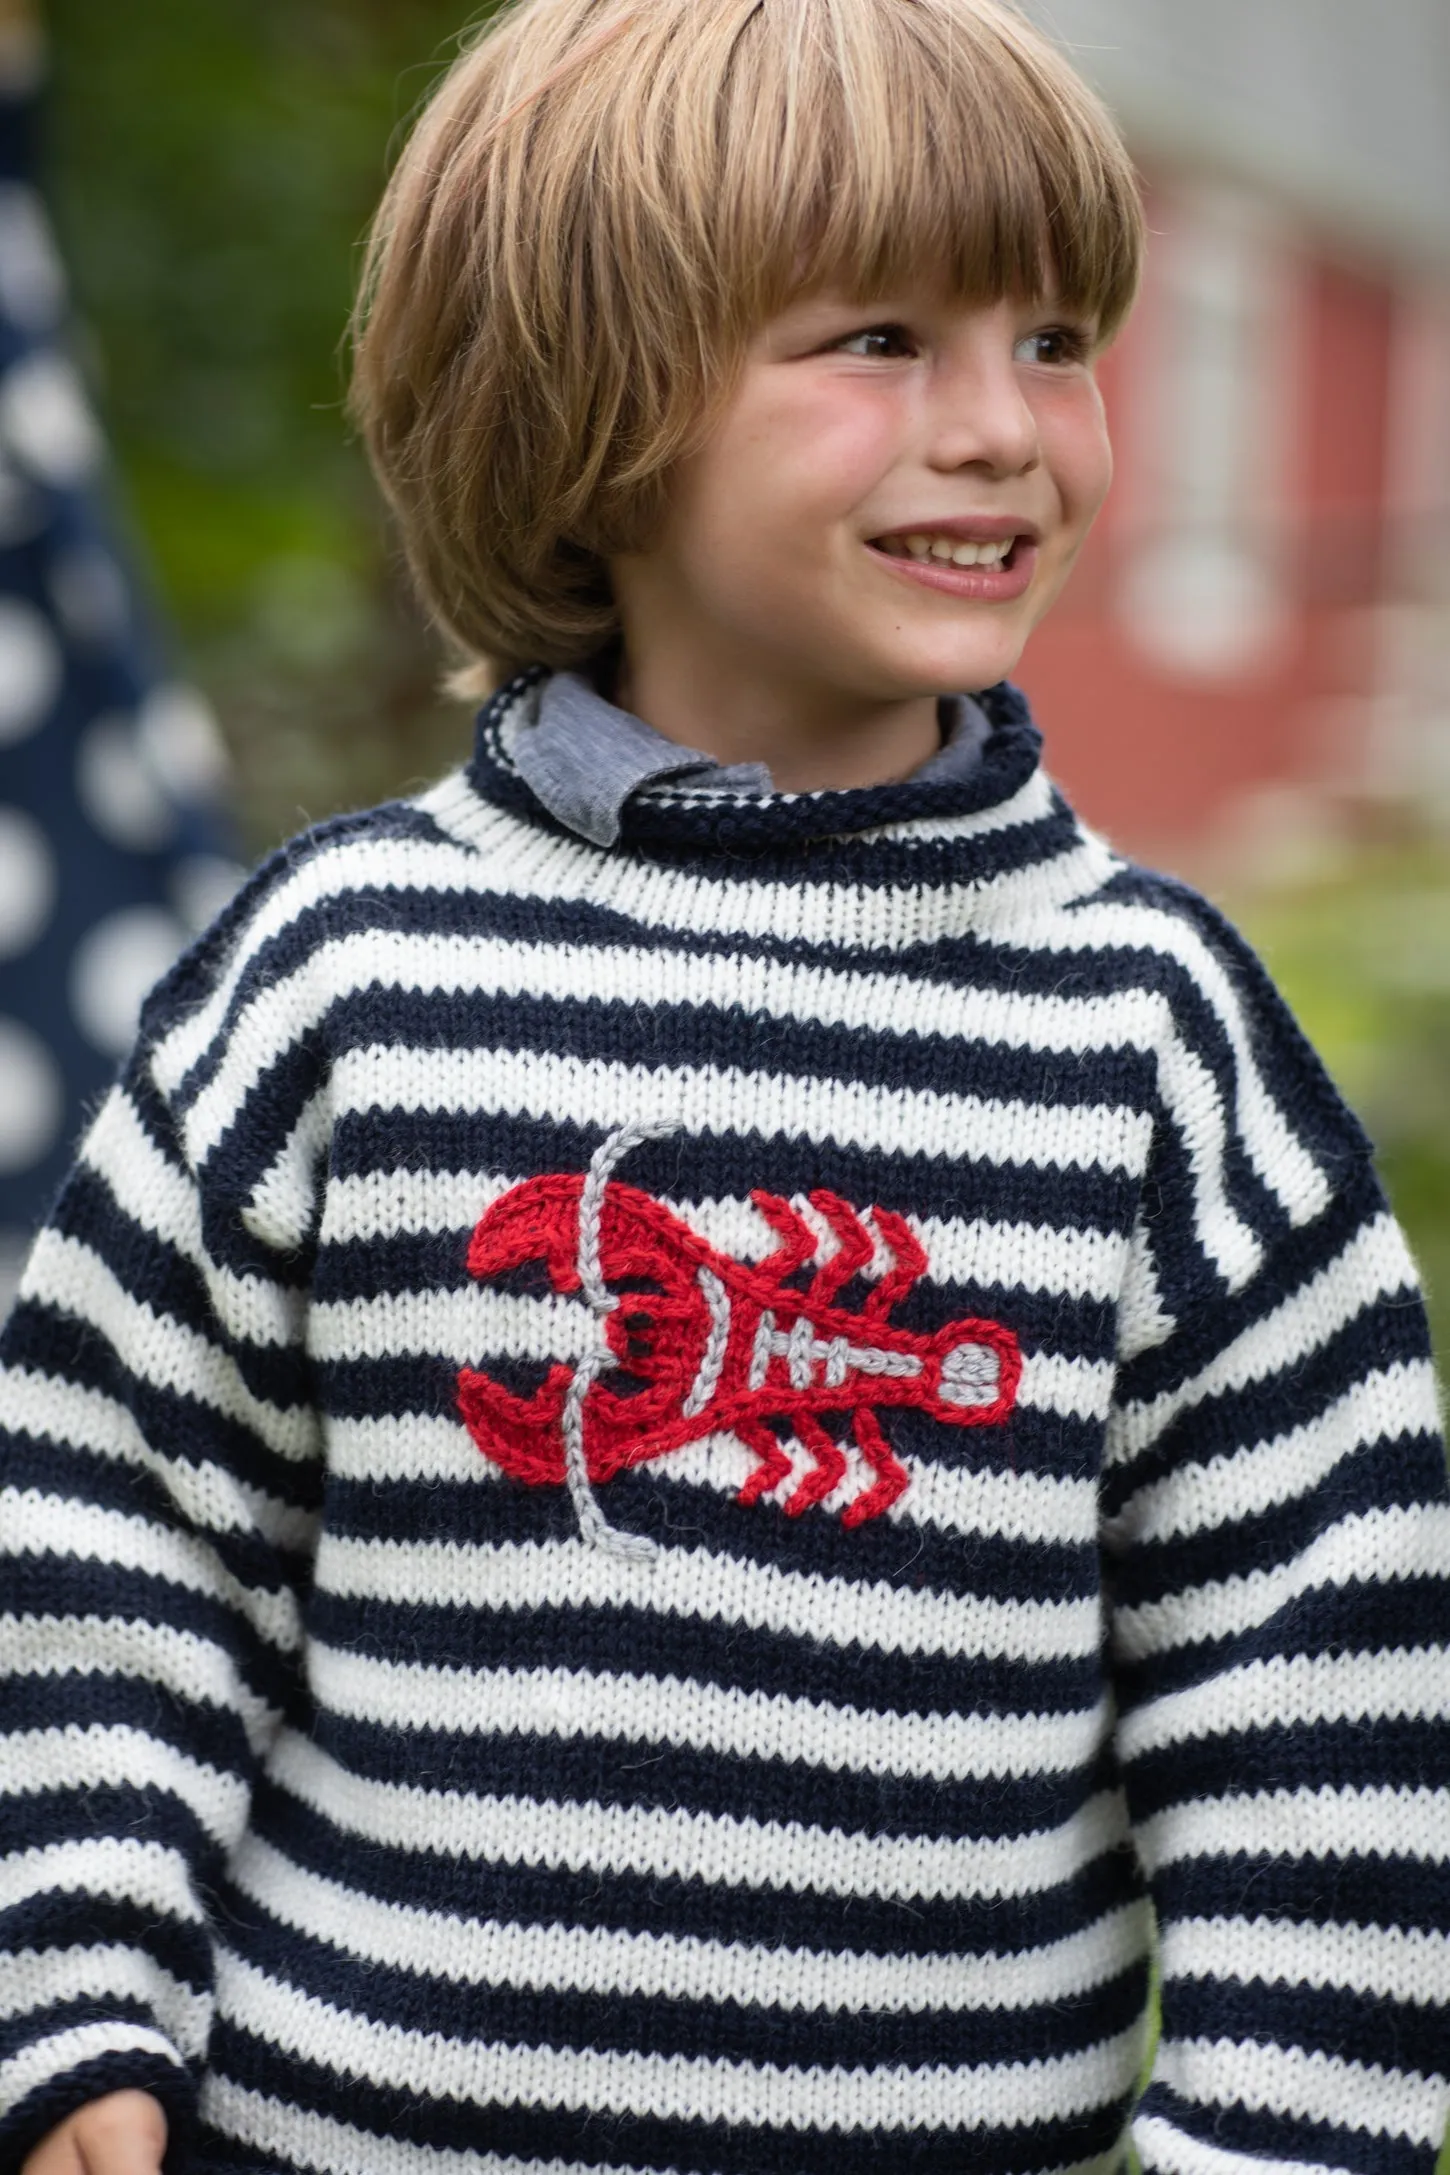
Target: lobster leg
828,1471
773,1466
892,1475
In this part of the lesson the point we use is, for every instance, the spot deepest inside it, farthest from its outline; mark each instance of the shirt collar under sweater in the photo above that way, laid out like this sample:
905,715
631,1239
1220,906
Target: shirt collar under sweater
584,757
694,805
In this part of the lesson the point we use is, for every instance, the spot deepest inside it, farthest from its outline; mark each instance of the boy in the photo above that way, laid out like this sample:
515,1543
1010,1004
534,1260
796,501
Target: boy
711,1394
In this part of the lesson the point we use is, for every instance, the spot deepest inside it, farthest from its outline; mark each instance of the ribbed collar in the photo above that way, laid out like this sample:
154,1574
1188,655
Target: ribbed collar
585,758
689,803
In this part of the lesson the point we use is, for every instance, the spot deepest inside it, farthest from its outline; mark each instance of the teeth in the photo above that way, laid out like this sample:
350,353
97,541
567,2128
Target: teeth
947,551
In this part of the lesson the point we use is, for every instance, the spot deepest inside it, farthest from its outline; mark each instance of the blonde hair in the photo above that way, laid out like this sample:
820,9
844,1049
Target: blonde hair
606,199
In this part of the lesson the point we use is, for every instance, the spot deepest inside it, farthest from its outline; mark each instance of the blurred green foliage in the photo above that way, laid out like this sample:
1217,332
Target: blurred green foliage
212,170
1363,956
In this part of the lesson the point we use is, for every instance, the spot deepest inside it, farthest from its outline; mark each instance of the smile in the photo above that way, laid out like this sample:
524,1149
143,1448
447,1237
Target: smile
947,550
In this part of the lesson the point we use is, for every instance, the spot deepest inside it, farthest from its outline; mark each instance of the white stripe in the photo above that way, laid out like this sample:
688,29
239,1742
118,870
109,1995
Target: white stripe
597,1960
1388,1403
1375,1264
1382,1544
284,1201
112,1646
693,1585
1081,1389
1403,1684
1080,1263
1296,1824
45,2059
1164,2150
32,1524
307,2140
1195,1107
1038,1508
147,1874
722,1851
721,1099
678,2088
162,1352
159,1198
1391,1963
1274,1149
714,1718
206,1495
115,1757
1307,2087
39,1979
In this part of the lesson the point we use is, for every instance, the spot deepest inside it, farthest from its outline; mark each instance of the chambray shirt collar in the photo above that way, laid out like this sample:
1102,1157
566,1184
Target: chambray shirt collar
584,757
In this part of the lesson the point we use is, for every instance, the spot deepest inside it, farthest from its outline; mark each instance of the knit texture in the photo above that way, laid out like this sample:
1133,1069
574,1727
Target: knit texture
647,1491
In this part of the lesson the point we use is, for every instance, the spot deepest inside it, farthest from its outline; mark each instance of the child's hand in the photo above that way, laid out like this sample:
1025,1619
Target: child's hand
122,2134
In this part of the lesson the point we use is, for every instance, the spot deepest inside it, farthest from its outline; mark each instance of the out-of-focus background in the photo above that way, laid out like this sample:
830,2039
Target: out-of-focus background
1249,679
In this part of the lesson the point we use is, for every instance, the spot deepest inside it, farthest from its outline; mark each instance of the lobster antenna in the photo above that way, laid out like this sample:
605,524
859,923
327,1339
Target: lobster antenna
594,1527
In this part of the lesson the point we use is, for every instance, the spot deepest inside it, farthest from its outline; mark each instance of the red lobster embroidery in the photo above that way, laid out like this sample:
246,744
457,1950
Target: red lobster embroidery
709,1344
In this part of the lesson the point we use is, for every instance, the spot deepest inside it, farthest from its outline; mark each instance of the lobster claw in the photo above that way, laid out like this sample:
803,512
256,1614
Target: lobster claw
538,1221
522,1434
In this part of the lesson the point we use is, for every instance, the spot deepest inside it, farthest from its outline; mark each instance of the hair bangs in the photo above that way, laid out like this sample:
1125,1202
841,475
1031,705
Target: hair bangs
891,141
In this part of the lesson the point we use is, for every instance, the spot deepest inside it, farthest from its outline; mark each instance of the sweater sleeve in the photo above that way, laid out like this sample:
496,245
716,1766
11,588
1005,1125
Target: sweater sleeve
159,1477
1277,1551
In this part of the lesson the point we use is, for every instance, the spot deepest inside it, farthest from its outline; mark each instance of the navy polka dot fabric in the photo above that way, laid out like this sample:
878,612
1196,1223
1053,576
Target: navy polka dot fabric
112,849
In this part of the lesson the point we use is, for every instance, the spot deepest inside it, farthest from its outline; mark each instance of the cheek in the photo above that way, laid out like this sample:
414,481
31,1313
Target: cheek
804,460
1080,453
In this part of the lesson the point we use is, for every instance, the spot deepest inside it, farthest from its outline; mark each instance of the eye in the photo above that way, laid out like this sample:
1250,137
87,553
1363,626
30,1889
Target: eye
877,343
1055,345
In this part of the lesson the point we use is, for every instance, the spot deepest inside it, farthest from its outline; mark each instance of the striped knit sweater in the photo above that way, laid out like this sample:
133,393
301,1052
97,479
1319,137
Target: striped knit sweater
656,1498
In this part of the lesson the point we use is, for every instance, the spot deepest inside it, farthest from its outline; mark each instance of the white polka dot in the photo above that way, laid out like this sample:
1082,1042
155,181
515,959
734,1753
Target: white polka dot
201,885
113,968
32,287
46,422
31,1101
27,881
118,788
182,743
30,669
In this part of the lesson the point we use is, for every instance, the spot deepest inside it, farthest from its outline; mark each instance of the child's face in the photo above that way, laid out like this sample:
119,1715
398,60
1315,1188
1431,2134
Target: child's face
794,537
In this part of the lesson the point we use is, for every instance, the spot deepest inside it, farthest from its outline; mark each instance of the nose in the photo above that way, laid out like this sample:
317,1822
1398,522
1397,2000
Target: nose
982,416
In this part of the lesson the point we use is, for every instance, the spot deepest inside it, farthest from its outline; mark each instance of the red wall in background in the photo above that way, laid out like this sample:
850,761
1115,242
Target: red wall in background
1162,759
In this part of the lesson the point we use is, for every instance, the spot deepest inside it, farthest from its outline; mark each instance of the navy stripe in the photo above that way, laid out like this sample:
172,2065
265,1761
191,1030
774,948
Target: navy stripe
647,1771
593,2138
916,1558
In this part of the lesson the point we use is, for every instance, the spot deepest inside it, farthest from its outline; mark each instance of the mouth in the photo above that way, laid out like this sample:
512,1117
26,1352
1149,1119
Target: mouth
993,562
932,547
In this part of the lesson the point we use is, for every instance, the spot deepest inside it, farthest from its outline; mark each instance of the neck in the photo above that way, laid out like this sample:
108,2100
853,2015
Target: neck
811,741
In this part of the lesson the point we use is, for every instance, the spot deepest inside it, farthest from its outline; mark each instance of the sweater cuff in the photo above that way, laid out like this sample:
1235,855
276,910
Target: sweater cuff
67,2075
